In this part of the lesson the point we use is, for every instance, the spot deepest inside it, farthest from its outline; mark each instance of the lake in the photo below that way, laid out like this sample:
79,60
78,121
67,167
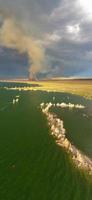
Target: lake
32,166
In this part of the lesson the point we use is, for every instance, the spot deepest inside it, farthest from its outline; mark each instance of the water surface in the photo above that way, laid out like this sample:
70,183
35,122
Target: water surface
32,166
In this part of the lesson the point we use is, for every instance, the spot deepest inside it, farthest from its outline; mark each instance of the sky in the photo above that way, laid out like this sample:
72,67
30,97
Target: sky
45,38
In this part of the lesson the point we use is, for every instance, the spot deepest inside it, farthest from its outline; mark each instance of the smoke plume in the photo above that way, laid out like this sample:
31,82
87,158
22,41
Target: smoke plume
12,36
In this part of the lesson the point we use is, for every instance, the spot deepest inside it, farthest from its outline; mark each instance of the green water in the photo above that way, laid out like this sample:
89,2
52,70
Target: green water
32,166
78,123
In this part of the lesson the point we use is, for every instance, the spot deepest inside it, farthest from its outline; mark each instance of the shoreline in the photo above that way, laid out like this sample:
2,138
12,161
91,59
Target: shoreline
47,90
82,88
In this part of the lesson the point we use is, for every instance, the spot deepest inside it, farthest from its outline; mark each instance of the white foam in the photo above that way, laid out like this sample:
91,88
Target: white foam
70,105
14,101
53,98
17,100
63,105
17,96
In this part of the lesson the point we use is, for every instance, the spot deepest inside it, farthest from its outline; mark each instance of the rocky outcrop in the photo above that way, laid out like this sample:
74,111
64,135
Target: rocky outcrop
58,131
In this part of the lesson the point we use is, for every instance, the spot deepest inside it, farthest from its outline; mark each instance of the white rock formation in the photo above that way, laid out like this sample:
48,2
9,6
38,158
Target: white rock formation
59,132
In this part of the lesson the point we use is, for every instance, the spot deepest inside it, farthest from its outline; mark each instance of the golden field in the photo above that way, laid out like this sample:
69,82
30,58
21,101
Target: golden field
79,87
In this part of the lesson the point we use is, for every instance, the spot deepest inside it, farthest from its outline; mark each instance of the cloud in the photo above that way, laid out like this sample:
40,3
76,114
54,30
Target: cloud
61,30
75,29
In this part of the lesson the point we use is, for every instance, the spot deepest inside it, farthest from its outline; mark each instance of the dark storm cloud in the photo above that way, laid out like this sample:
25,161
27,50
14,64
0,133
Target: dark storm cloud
12,64
64,28
74,48
33,15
